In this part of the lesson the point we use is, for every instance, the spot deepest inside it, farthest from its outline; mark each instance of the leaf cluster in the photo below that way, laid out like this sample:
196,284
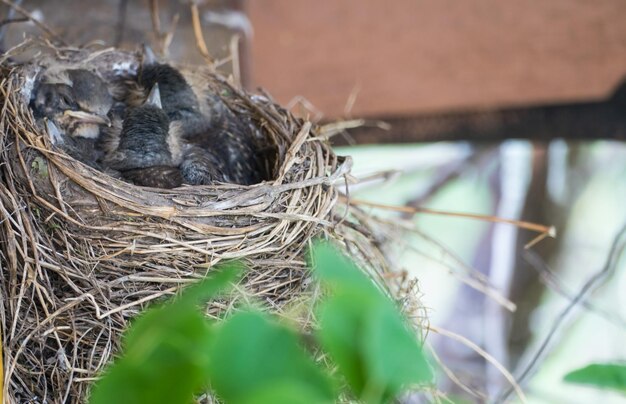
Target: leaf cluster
173,352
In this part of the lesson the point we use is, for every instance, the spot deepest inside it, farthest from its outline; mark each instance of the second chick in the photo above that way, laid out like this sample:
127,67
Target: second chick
147,152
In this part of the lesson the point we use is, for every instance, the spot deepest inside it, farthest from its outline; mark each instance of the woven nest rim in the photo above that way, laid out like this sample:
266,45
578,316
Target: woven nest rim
83,252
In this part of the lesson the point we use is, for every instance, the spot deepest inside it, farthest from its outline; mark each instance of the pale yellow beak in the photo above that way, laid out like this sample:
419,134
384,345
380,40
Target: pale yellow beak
88,118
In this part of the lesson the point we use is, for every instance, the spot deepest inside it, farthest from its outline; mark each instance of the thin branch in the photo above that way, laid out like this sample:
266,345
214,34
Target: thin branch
235,62
449,174
197,31
156,19
331,129
539,228
454,379
169,35
13,21
615,252
507,375
552,280
472,278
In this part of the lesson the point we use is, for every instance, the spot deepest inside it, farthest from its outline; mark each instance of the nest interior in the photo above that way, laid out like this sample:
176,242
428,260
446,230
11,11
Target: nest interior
81,252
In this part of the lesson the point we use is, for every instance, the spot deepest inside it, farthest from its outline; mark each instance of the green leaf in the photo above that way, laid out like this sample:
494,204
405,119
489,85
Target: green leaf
364,333
610,376
166,356
159,322
337,271
290,392
392,352
215,283
254,359
341,322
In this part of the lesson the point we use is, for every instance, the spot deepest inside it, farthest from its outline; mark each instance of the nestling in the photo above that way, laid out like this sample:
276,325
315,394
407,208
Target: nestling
74,104
76,100
148,152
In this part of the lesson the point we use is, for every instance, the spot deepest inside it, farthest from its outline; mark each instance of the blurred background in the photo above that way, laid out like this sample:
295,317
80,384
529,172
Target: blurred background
511,109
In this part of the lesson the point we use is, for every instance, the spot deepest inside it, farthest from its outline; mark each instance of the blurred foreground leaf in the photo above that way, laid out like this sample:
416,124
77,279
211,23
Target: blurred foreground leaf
610,376
173,351
256,360
364,333
166,358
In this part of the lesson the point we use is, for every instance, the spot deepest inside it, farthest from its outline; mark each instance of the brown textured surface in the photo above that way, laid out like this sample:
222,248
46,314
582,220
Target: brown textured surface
411,56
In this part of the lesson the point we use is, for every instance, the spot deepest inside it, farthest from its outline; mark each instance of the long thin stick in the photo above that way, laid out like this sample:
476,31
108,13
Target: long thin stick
156,25
122,10
234,55
169,35
13,20
615,252
548,230
197,31
507,375
156,18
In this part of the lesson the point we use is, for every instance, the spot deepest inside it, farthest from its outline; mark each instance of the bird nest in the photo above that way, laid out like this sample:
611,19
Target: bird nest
82,253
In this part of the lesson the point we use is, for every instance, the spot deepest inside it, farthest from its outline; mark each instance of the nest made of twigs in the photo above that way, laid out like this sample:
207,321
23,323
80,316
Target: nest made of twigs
81,252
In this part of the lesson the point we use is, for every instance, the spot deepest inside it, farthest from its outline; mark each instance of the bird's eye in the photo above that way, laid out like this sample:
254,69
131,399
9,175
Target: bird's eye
65,101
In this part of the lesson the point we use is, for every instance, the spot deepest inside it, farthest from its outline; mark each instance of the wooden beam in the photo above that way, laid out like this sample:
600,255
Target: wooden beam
572,121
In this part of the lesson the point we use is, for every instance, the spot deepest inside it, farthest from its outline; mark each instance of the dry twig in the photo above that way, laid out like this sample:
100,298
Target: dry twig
197,31
617,248
515,387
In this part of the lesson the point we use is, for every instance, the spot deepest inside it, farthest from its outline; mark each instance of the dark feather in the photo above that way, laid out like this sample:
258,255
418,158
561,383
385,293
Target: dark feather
202,167
178,99
236,145
157,177
143,140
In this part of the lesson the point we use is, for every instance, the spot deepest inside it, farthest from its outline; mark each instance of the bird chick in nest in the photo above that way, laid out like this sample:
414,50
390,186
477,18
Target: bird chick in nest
178,99
76,100
145,144
202,167
74,103
217,145
147,151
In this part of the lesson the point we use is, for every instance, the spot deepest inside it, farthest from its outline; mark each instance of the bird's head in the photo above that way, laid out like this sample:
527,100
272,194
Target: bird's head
78,102
144,138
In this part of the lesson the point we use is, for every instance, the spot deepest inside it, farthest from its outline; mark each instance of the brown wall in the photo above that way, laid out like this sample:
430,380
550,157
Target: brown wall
409,56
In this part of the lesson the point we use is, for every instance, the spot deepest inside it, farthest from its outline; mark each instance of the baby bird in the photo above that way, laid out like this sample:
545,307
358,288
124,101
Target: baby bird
74,104
217,146
202,167
228,144
179,100
76,100
177,97
148,152
232,140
